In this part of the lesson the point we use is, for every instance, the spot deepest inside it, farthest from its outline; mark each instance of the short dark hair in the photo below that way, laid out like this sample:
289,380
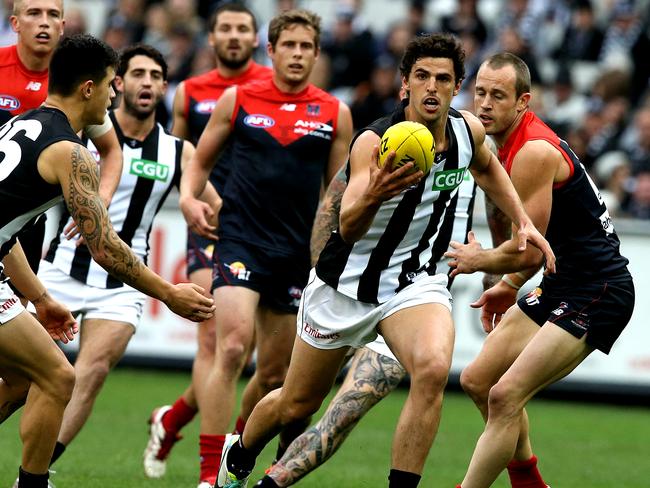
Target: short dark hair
522,73
292,17
140,50
434,46
231,7
76,59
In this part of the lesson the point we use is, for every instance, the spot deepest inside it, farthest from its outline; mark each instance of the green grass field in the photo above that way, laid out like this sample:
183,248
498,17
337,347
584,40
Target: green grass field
579,445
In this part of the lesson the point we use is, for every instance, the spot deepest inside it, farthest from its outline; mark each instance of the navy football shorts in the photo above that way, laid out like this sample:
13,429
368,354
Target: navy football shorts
278,278
599,310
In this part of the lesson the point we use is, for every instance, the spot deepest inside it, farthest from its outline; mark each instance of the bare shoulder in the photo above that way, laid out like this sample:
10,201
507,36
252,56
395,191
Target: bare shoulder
364,142
58,157
539,150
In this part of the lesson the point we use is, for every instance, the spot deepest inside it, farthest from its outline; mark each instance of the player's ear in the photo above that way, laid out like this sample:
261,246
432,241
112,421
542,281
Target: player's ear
118,83
269,49
15,24
87,88
405,88
522,102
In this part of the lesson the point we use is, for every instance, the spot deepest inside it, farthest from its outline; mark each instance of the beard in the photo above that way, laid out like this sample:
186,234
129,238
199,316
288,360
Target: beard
234,63
131,107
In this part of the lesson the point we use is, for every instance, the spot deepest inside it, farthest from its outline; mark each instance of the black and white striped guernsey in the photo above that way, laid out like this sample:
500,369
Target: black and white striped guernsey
410,232
24,194
150,169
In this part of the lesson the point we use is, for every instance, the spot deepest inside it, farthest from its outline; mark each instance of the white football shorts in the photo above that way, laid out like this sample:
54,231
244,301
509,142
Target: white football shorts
328,319
123,304
10,306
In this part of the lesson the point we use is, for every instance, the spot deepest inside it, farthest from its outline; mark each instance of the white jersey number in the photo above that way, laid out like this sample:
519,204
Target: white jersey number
10,150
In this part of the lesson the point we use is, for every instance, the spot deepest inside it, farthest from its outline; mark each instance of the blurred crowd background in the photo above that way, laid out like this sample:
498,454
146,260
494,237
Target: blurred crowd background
589,61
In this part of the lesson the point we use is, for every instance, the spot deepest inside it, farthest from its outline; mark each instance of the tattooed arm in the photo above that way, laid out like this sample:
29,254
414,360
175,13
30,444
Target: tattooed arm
371,377
72,166
327,217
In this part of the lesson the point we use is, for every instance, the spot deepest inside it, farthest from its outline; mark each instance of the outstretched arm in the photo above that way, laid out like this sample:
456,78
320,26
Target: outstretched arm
514,254
72,166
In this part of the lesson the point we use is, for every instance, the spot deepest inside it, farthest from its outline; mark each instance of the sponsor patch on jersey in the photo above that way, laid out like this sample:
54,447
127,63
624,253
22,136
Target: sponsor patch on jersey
606,222
313,128
205,106
152,170
7,102
259,121
447,180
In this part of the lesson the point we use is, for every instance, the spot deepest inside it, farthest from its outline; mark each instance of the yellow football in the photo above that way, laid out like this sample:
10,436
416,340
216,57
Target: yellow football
412,142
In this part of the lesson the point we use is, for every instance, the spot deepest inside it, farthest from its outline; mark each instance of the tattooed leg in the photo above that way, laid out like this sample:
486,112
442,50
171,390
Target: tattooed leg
371,377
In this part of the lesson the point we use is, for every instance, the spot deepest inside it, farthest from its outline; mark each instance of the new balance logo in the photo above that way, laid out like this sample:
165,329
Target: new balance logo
34,86
288,107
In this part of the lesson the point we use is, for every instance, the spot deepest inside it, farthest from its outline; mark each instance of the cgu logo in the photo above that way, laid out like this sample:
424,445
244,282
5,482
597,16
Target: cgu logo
9,103
205,107
447,180
149,169
259,121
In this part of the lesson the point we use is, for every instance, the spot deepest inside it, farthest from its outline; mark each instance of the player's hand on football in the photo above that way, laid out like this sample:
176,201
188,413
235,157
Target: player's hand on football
200,217
528,233
463,257
387,182
190,301
493,303
55,318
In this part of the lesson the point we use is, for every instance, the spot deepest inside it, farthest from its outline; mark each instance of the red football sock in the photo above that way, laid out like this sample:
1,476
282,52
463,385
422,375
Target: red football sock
210,447
239,425
179,416
524,474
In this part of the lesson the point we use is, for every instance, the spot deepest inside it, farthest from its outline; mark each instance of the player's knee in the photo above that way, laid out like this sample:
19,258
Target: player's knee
62,379
502,401
270,378
232,356
297,411
91,376
431,374
471,383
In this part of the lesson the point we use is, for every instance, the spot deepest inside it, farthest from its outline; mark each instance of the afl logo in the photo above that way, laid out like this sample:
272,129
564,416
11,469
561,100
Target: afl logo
9,103
205,107
259,121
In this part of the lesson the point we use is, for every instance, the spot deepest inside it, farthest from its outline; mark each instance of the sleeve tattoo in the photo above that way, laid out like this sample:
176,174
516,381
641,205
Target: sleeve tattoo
371,377
91,217
327,217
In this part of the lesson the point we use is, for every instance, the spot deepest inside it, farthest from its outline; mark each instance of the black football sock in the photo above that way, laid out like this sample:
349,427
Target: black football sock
402,479
31,480
58,450
279,452
241,461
